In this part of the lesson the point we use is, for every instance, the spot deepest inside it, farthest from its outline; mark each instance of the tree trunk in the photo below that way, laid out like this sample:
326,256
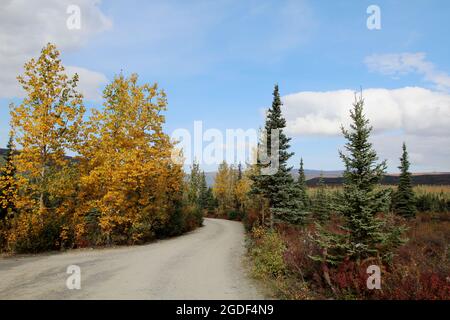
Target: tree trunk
271,220
42,195
263,222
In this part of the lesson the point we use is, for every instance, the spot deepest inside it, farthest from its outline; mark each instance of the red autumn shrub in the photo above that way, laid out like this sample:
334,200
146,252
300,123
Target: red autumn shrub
299,248
251,219
421,268
402,284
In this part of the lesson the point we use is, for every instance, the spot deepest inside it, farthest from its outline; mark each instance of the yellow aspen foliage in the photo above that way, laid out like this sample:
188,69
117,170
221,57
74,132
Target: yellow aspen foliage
220,187
241,190
120,187
224,187
45,125
128,179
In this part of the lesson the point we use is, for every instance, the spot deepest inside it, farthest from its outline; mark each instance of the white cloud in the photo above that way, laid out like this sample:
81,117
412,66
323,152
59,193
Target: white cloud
426,153
397,64
26,26
419,116
412,109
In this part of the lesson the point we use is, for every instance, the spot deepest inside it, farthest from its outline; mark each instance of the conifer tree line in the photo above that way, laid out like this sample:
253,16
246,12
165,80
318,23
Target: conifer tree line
363,204
119,186
200,195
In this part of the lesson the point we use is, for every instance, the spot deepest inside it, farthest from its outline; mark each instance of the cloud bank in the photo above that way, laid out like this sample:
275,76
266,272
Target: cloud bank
419,116
397,64
26,26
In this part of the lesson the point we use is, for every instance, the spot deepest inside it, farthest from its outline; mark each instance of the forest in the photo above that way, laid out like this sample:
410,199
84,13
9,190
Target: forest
74,179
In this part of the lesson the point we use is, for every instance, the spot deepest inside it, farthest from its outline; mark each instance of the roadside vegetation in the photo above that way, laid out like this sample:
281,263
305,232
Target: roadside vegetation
120,185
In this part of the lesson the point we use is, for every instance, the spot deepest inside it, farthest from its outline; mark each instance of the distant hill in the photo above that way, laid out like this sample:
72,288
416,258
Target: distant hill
310,174
334,177
417,179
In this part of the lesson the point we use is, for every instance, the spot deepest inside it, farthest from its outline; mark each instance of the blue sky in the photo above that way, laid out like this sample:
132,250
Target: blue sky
218,62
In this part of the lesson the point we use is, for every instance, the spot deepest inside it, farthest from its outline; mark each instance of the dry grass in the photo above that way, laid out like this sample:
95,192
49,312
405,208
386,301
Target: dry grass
442,192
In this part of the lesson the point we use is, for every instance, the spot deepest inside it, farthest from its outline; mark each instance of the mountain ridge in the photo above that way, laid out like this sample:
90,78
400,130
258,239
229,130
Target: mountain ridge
334,177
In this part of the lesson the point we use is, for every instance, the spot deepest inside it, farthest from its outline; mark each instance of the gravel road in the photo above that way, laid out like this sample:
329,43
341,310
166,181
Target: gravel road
204,264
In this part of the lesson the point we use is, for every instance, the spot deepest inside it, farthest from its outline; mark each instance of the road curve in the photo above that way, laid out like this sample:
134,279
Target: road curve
203,264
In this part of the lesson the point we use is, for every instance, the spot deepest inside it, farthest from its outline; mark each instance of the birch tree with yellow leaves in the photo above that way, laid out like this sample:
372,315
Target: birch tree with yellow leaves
128,176
46,124
120,184
221,188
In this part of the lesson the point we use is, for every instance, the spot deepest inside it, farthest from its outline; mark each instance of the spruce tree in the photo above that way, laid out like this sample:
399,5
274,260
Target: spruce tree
278,188
194,184
239,174
404,199
203,192
302,188
211,202
321,207
365,234
362,200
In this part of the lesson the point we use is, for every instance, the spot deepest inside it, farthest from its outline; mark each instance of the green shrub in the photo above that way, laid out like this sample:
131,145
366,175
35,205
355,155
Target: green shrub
234,215
267,252
432,202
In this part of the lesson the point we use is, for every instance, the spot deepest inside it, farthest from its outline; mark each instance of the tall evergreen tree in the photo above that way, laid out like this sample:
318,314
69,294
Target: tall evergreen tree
366,234
302,188
321,206
194,184
8,186
203,192
277,188
211,202
404,199
239,174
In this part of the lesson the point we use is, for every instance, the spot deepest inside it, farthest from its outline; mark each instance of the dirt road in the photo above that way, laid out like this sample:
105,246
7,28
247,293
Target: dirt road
204,264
